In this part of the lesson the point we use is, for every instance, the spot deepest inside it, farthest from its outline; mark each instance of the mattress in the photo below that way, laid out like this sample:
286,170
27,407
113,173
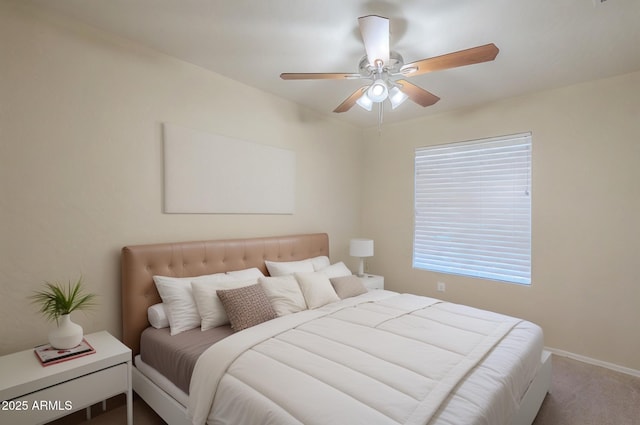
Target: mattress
175,356
161,381
488,395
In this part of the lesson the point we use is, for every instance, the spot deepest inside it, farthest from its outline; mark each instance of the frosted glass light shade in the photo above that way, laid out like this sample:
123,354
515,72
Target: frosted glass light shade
378,91
396,97
365,102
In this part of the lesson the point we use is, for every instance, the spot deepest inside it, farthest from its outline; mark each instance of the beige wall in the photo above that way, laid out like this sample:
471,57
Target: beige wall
81,163
585,217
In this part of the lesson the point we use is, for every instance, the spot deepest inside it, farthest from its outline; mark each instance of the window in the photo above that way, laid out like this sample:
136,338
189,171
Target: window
473,208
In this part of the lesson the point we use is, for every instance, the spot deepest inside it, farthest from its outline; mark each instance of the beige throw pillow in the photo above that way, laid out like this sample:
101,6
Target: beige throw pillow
348,286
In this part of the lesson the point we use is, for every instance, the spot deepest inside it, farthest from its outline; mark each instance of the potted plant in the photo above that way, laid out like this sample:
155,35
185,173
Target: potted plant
56,302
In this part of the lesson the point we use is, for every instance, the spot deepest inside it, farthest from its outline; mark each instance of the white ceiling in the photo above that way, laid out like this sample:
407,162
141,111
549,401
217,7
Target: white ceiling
543,43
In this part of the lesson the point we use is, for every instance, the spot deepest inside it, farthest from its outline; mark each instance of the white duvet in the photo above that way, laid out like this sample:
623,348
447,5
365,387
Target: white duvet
379,358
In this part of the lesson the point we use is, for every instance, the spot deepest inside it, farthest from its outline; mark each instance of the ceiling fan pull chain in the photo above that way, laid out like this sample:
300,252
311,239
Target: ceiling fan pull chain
380,109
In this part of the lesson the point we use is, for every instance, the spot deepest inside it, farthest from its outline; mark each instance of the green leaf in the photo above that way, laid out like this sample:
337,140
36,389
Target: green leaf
58,299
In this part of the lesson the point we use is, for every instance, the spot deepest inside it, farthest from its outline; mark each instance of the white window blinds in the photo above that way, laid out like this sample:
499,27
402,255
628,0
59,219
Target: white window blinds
473,208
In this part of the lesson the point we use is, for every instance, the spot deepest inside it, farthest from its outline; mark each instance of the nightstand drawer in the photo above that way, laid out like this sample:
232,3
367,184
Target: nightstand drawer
60,400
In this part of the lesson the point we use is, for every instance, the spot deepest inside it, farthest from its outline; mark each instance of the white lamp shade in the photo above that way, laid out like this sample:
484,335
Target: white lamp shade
361,247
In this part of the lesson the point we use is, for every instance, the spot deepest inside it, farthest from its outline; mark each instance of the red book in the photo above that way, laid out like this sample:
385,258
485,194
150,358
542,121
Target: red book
47,355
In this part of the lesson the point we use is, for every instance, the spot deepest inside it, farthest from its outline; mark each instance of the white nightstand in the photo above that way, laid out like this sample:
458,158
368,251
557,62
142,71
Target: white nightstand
33,394
372,281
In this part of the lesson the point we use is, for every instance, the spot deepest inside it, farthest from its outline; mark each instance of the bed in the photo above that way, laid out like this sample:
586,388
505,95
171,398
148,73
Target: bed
505,383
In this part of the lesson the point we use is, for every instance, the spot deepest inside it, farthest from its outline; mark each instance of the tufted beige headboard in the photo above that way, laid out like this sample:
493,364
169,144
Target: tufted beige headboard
183,259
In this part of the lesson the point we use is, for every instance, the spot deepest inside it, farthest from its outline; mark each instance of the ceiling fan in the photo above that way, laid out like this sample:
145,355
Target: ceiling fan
386,70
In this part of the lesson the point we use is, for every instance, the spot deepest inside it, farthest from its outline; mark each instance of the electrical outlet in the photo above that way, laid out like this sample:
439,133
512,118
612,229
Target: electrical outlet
441,287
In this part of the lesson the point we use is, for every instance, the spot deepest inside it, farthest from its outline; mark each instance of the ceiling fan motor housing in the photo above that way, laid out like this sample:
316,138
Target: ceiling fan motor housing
393,67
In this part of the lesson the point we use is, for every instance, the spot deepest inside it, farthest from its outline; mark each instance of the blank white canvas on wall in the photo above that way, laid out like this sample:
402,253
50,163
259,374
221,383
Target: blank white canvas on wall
211,173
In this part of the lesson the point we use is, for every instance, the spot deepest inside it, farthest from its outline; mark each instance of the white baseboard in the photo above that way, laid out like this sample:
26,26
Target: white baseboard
595,362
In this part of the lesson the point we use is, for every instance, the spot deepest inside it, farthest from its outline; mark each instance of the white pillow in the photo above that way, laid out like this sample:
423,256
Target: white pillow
210,308
178,300
284,294
246,274
336,270
316,289
320,262
283,268
158,316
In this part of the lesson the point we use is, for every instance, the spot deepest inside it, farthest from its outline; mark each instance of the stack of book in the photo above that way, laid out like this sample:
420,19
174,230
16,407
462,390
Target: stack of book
49,355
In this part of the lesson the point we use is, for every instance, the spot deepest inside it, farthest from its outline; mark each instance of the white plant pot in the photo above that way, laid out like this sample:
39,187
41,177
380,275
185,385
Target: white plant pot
66,335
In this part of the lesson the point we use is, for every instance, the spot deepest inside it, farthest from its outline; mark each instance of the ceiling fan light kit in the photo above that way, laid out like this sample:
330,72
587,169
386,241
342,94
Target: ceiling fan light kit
387,71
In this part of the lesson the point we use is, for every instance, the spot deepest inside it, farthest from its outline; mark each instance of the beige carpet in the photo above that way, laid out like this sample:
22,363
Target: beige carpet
581,394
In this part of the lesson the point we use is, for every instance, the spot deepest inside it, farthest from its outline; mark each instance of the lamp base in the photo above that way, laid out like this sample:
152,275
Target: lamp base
360,268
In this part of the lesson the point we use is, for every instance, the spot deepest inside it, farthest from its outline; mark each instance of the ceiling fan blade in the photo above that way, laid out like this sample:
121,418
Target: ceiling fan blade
350,101
479,54
375,35
417,94
319,76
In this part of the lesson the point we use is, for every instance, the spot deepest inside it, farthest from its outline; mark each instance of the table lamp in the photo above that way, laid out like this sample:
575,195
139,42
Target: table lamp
361,248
